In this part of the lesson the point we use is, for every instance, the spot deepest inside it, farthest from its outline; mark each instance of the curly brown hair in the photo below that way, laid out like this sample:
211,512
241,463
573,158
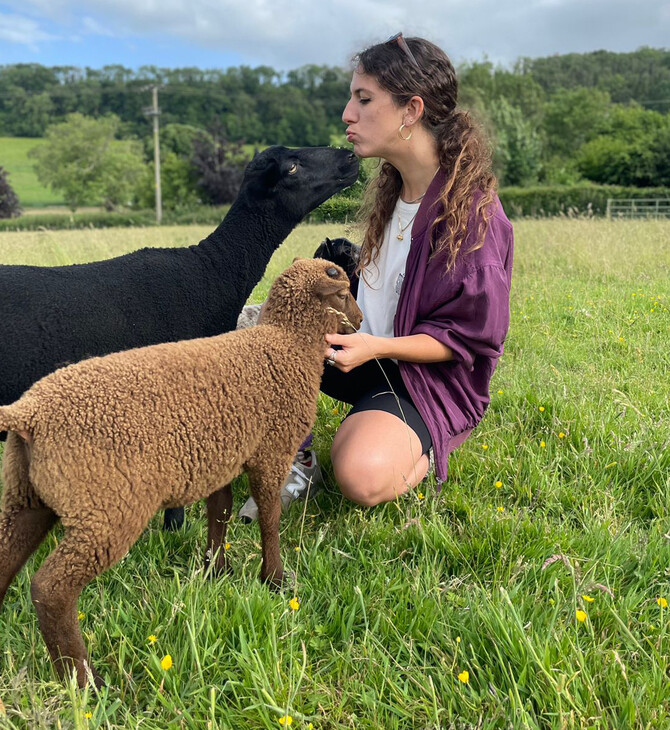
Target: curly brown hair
462,151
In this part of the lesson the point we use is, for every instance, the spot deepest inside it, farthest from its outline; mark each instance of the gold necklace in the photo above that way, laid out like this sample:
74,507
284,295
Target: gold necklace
401,228
411,202
416,200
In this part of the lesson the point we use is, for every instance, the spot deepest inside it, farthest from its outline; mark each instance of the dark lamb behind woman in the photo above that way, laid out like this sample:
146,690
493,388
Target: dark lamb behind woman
340,251
54,315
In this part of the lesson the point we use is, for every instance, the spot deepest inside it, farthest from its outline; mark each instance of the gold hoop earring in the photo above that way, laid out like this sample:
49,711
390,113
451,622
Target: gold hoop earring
408,137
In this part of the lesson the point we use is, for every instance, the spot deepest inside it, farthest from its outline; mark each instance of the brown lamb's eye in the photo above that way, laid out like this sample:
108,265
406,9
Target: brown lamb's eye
293,169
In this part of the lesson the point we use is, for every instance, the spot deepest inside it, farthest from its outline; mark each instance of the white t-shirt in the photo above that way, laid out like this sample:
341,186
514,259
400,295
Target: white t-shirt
381,281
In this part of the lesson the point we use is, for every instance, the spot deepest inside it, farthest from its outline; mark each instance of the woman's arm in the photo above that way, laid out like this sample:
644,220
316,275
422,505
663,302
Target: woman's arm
361,347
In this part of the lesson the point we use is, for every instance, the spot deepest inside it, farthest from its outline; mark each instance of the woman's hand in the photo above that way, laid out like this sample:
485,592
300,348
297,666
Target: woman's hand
361,347
356,349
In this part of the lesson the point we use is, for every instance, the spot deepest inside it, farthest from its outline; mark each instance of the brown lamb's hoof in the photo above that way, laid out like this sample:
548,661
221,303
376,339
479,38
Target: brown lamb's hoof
217,568
283,582
87,675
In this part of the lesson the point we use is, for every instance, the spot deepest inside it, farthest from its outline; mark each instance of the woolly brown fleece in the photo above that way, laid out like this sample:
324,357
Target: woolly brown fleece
105,443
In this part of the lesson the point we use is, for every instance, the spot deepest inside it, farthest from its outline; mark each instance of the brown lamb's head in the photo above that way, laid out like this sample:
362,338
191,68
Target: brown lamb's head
316,291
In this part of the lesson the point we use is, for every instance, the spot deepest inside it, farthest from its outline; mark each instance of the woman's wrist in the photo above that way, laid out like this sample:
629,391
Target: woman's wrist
382,347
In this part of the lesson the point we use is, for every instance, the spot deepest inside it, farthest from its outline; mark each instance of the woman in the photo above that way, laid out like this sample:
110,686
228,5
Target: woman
435,277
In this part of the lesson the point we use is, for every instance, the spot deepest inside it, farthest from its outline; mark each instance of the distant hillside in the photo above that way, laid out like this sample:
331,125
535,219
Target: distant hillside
14,158
642,76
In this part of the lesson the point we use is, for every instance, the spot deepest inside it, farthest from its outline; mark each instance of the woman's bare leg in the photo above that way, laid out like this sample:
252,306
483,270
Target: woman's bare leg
376,457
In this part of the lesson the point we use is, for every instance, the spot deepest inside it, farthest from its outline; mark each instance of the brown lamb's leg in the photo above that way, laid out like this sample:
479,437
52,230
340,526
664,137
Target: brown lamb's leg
25,521
21,532
219,508
265,482
82,555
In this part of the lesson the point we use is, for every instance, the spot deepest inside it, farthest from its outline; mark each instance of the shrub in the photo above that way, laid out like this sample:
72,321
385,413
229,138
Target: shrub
9,202
219,167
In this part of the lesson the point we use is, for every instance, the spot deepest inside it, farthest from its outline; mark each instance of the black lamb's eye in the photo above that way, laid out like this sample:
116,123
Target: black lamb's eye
293,169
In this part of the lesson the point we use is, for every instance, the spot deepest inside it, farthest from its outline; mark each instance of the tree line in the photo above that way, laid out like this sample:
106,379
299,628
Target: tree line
601,116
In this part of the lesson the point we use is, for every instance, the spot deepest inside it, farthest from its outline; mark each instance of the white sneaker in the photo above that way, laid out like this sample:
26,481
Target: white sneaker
303,482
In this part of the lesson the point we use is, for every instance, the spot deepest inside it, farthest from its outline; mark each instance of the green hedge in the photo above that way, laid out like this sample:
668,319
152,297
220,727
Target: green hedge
59,221
540,201
338,209
583,199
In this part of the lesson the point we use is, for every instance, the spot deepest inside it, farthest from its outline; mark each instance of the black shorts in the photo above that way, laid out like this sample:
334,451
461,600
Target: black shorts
376,386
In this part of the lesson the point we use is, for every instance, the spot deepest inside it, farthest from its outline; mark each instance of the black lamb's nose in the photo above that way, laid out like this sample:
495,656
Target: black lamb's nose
351,157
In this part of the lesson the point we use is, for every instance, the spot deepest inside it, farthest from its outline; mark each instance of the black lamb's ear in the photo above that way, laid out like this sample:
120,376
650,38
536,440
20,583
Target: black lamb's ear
270,175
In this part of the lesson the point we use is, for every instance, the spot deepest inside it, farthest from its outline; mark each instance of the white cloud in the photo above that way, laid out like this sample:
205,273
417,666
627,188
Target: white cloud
92,27
289,33
22,31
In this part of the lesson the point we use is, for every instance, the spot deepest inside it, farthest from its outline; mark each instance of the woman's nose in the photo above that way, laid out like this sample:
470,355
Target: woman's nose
347,114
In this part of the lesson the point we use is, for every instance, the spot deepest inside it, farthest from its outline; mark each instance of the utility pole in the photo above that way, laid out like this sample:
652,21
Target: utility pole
154,112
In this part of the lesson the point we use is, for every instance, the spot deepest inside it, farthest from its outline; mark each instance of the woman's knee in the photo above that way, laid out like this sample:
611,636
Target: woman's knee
367,480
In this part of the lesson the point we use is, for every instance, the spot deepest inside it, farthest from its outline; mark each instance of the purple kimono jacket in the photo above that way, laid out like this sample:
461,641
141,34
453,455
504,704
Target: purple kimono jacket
467,310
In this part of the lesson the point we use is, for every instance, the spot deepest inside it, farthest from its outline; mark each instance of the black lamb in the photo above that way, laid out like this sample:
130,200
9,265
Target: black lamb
55,315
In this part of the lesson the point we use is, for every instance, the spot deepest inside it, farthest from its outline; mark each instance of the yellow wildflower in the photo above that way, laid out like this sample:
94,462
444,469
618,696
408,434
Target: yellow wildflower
88,715
542,444
662,602
500,509
81,616
297,548
464,676
419,495
226,546
498,484
152,639
294,603
485,446
561,435
458,639
166,662
286,720
581,616
500,392
541,409
588,599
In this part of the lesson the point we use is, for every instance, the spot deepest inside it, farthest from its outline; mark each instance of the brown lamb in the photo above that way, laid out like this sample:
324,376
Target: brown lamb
105,443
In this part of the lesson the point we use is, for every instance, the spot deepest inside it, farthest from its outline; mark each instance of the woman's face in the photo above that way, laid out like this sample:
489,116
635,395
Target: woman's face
372,118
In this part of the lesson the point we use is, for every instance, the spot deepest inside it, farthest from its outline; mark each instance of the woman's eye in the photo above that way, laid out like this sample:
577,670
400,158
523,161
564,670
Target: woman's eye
365,101
293,169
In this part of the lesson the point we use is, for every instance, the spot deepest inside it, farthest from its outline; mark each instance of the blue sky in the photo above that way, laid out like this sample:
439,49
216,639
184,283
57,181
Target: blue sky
286,34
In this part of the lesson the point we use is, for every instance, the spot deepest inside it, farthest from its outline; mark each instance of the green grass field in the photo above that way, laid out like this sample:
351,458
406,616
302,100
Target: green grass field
530,593
14,158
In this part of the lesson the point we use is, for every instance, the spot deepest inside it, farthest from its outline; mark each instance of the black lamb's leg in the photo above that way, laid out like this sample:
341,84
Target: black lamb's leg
173,519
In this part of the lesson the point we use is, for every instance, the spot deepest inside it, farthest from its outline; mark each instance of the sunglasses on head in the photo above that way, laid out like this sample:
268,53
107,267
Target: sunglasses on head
403,44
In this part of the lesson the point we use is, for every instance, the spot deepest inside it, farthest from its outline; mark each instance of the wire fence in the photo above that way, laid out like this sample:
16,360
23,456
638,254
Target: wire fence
638,208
